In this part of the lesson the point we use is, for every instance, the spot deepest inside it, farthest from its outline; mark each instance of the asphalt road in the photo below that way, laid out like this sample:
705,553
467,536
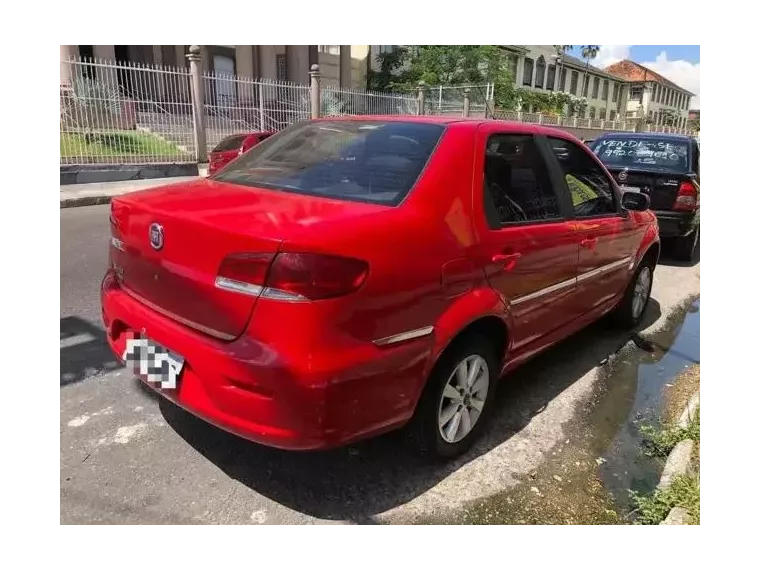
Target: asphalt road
128,457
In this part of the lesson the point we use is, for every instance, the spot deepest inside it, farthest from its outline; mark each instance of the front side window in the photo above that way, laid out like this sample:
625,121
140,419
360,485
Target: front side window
540,69
366,161
573,82
595,94
590,188
528,72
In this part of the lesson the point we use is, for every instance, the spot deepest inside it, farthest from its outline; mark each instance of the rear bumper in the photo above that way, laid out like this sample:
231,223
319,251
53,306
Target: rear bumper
676,224
242,387
254,391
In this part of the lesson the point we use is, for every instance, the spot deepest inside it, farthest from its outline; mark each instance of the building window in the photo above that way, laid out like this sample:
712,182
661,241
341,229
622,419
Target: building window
595,92
550,77
615,90
613,115
591,113
380,49
528,72
586,81
540,69
636,93
335,50
657,93
605,89
282,67
573,82
562,80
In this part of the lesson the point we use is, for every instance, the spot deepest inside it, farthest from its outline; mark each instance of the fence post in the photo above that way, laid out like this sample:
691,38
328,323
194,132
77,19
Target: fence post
466,105
261,106
316,99
540,118
520,116
421,98
199,110
575,121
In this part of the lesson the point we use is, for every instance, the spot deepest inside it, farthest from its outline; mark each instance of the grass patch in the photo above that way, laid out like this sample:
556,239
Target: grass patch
115,144
682,492
658,442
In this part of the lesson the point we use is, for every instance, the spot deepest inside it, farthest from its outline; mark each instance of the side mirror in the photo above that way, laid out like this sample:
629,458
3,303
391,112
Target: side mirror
636,201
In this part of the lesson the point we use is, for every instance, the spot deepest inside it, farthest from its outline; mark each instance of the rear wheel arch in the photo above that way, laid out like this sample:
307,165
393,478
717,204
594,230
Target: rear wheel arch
490,327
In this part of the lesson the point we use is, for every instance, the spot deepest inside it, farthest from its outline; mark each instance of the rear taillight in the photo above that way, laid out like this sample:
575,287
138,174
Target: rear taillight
687,199
292,276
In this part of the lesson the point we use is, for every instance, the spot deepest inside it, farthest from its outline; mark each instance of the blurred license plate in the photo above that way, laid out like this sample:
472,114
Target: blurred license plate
630,189
153,362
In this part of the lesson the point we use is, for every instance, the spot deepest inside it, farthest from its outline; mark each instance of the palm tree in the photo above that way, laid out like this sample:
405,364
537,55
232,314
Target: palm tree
588,52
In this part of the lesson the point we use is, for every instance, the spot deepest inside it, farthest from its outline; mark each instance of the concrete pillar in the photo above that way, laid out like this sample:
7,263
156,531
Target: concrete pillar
316,99
104,52
268,62
105,76
199,113
244,68
466,105
345,66
67,52
421,98
520,70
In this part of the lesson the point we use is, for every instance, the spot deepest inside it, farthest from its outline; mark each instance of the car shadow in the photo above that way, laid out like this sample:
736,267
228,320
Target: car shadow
84,351
358,482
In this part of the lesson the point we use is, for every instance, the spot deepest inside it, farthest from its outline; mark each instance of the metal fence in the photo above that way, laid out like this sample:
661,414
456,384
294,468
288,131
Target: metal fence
125,113
450,99
591,127
129,113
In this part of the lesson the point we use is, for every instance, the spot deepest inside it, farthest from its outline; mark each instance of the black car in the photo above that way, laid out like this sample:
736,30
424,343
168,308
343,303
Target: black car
666,168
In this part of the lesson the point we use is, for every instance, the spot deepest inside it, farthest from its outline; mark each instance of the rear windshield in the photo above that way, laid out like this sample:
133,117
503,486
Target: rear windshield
229,143
655,153
368,161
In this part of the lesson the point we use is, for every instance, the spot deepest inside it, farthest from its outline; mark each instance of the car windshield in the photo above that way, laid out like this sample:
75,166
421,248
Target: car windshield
369,161
229,143
636,152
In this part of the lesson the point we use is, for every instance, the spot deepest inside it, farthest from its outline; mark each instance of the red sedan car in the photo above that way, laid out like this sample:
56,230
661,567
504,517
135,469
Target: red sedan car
356,275
229,148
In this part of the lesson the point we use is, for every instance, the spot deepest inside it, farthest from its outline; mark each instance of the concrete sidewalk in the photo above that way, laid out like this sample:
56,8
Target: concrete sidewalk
73,195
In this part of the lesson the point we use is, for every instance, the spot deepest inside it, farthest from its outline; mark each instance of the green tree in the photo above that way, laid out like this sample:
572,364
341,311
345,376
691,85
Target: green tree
390,64
588,53
404,67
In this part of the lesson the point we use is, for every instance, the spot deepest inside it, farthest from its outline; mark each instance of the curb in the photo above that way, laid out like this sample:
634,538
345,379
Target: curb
688,413
679,463
85,201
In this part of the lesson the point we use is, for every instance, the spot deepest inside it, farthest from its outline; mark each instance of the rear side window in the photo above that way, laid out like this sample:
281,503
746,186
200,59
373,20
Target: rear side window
229,143
368,161
517,185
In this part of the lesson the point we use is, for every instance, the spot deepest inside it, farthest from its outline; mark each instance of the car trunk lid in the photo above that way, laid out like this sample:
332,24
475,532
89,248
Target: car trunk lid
661,187
200,224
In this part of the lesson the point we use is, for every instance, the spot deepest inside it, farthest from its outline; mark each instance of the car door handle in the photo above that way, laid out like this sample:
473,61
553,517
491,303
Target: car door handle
508,259
589,243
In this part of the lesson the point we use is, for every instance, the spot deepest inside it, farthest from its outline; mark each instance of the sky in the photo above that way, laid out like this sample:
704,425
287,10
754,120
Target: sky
680,64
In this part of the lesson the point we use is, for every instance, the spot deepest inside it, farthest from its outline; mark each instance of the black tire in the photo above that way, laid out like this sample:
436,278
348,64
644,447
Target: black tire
624,314
685,247
424,431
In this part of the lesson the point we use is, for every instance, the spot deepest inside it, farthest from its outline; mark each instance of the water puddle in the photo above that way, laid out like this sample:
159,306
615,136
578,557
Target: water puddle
633,384
586,479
